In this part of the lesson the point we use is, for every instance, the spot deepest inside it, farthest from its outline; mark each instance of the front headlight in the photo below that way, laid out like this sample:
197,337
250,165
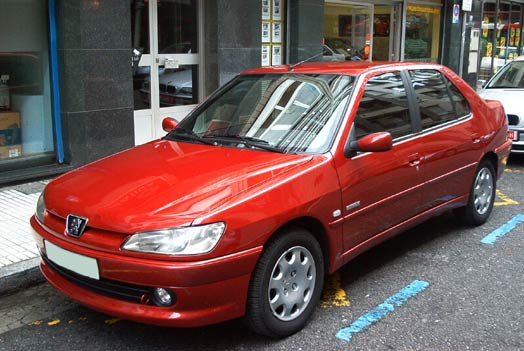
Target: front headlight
177,241
40,208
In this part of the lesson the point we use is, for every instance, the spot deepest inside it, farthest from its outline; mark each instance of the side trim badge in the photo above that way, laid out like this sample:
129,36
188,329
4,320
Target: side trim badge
75,225
352,206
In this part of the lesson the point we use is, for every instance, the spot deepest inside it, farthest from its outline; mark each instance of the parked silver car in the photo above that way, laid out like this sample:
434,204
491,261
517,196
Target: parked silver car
507,86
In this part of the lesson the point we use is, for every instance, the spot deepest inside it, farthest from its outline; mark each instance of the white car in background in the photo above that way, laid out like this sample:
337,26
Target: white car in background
507,86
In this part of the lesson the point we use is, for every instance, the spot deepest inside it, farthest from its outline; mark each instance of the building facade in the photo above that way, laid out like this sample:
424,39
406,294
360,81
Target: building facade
83,79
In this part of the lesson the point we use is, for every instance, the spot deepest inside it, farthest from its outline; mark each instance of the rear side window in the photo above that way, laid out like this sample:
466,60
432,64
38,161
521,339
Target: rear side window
439,100
383,107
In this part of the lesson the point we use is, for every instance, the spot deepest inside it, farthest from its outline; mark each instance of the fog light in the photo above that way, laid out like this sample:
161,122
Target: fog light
162,297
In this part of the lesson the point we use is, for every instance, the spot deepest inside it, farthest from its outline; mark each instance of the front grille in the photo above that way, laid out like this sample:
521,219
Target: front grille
513,120
111,288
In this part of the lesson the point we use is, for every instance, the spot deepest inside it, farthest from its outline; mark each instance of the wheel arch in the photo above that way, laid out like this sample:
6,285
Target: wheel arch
313,226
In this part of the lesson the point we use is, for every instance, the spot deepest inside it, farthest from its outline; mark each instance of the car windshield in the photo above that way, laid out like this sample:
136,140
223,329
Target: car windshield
511,76
292,113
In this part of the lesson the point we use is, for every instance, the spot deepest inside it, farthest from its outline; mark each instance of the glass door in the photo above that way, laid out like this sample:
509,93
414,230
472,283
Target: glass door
166,62
386,31
348,28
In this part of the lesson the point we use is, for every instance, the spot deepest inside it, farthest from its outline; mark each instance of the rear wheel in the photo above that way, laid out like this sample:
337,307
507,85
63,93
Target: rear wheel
481,196
286,284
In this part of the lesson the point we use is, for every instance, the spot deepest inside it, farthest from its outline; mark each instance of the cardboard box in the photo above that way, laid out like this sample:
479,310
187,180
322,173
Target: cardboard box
10,151
10,136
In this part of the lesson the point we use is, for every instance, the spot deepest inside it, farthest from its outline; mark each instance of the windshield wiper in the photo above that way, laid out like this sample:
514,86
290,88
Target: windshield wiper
247,140
187,133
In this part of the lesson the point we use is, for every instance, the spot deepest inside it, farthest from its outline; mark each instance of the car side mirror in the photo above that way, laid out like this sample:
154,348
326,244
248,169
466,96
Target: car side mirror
376,142
168,124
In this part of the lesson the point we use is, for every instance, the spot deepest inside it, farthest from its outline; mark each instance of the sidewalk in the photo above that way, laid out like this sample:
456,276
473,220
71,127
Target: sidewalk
19,256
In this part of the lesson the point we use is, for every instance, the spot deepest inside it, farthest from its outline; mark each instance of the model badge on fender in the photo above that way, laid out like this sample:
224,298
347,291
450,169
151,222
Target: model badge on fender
75,225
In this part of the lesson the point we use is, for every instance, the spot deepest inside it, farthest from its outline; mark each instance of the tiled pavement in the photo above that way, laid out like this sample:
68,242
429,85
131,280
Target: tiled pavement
18,253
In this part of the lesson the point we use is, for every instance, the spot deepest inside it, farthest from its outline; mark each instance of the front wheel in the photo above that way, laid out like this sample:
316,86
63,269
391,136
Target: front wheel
286,284
481,197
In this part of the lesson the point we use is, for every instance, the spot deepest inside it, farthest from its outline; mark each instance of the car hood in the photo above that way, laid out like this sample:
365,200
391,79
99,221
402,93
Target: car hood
510,98
162,184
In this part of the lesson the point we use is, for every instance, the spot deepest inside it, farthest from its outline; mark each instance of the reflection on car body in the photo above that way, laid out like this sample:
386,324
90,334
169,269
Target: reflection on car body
281,176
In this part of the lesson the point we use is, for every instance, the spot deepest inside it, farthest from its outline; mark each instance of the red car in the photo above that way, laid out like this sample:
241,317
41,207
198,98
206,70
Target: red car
283,175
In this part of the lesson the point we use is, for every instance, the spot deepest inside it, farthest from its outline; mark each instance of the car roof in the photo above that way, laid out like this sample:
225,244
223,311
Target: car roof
343,67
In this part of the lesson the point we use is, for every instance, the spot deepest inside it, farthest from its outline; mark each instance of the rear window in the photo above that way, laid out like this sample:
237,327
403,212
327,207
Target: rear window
439,100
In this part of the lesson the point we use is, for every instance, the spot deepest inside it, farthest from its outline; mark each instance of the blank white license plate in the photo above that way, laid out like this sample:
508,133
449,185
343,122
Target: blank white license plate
83,265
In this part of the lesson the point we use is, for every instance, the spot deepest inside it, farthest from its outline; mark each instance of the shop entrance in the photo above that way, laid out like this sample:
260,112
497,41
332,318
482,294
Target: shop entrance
356,31
166,62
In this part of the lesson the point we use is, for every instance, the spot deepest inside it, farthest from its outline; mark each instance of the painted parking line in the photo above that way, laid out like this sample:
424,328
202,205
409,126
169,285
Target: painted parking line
505,200
503,230
383,309
510,170
333,294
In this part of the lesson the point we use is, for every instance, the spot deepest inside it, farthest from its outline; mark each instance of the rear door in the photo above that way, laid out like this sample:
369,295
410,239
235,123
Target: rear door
381,189
449,147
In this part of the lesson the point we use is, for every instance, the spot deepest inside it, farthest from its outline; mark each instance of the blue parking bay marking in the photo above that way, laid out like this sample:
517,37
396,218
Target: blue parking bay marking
503,230
381,310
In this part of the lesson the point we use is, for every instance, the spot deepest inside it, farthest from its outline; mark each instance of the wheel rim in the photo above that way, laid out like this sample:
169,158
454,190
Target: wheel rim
483,191
292,283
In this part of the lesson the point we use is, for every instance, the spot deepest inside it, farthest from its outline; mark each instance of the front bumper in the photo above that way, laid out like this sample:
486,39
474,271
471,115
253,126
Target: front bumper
206,292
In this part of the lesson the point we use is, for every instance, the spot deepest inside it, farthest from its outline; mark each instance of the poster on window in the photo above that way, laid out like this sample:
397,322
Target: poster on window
265,56
276,55
266,30
276,33
277,10
265,10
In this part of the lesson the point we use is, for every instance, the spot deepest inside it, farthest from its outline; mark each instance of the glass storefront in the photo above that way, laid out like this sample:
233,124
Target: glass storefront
347,29
500,39
26,122
422,33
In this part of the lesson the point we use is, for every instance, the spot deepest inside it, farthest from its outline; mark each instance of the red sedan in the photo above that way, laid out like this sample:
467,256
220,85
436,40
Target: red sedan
283,175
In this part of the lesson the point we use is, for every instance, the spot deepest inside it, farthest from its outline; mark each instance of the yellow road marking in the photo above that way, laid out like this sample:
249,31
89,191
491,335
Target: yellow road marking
35,323
505,200
54,322
112,321
333,294
510,170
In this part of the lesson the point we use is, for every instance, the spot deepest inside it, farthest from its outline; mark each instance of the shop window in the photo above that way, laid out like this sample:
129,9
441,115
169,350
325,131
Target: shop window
25,91
500,37
422,33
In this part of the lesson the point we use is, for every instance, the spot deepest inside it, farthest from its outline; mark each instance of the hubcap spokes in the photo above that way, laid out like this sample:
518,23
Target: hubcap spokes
483,191
292,283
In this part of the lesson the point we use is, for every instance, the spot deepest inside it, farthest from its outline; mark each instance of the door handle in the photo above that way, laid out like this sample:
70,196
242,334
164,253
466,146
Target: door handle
414,159
475,138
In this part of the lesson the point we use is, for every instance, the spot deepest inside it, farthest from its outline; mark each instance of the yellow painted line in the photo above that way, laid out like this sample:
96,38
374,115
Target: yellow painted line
112,321
510,170
54,322
35,323
505,200
333,294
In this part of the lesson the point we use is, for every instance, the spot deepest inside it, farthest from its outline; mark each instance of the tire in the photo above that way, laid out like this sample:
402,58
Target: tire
286,284
481,196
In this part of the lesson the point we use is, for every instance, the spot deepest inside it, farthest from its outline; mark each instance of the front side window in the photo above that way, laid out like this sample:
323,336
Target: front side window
277,112
383,107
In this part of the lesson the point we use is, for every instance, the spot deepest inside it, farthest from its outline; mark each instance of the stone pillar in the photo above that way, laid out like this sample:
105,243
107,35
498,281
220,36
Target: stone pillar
94,51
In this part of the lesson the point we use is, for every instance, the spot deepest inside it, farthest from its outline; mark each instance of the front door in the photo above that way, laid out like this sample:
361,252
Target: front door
166,62
381,189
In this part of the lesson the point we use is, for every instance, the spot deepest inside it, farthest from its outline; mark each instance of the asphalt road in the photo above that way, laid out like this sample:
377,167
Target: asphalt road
470,296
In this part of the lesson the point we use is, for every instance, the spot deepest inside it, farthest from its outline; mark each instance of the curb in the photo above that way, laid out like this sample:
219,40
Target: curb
20,275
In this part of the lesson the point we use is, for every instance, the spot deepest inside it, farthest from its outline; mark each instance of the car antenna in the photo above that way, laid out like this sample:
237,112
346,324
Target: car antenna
290,67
